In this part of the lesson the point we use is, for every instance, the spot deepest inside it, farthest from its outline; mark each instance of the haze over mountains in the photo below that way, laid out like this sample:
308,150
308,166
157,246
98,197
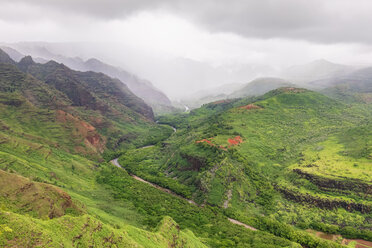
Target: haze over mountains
142,88
186,124
316,70
317,75
176,77
88,100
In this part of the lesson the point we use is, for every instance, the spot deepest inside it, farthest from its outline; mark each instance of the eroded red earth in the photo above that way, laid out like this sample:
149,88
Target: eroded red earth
231,142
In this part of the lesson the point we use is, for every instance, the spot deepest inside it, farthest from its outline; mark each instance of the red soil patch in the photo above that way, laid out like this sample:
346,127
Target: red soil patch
87,126
95,139
65,117
232,142
98,122
235,141
82,130
209,142
250,106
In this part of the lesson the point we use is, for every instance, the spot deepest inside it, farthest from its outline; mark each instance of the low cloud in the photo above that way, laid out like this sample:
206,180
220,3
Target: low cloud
187,45
331,21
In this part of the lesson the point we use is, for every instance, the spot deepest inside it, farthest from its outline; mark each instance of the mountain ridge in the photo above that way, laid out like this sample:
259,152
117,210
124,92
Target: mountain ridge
94,104
140,87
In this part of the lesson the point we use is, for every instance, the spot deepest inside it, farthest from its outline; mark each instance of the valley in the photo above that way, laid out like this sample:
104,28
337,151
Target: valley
116,163
86,163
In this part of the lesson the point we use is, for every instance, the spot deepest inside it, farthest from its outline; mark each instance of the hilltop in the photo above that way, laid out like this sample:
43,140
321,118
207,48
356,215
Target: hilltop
289,149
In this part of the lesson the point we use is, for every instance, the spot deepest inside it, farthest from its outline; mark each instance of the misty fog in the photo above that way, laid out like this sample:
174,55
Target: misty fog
183,51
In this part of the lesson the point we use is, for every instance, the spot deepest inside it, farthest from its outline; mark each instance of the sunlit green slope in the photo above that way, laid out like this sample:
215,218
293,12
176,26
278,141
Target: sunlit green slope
292,155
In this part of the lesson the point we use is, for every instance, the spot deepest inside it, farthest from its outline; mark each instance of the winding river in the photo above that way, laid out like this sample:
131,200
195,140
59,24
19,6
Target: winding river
359,242
117,164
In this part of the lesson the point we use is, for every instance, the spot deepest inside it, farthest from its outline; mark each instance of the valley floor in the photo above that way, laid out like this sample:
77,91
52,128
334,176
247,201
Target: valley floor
116,163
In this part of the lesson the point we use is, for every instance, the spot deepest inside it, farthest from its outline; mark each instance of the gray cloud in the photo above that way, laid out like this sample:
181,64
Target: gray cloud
105,9
331,21
186,45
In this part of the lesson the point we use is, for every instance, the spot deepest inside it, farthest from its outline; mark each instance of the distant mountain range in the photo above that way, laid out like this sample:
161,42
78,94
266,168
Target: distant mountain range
97,105
316,70
255,87
356,86
357,81
140,87
335,80
317,75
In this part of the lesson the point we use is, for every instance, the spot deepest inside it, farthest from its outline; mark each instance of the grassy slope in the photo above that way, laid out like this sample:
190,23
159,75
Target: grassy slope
112,197
86,231
28,103
39,200
59,152
38,155
278,135
49,145
208,223
76,175
46,157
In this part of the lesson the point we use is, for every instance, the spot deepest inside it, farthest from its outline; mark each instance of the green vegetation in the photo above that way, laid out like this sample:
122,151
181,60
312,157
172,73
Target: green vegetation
328,159
86,231
145,163
283,130
57,145
284,162
209,223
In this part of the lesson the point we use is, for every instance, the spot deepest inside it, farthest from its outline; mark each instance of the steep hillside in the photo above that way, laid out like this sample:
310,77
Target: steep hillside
293,155
251,172
91,110
56,220
56,188
95,91
39,200
86,231
140,87
54,128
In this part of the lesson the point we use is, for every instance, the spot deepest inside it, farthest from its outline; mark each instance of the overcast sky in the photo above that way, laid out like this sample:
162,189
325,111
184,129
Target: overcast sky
201,34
